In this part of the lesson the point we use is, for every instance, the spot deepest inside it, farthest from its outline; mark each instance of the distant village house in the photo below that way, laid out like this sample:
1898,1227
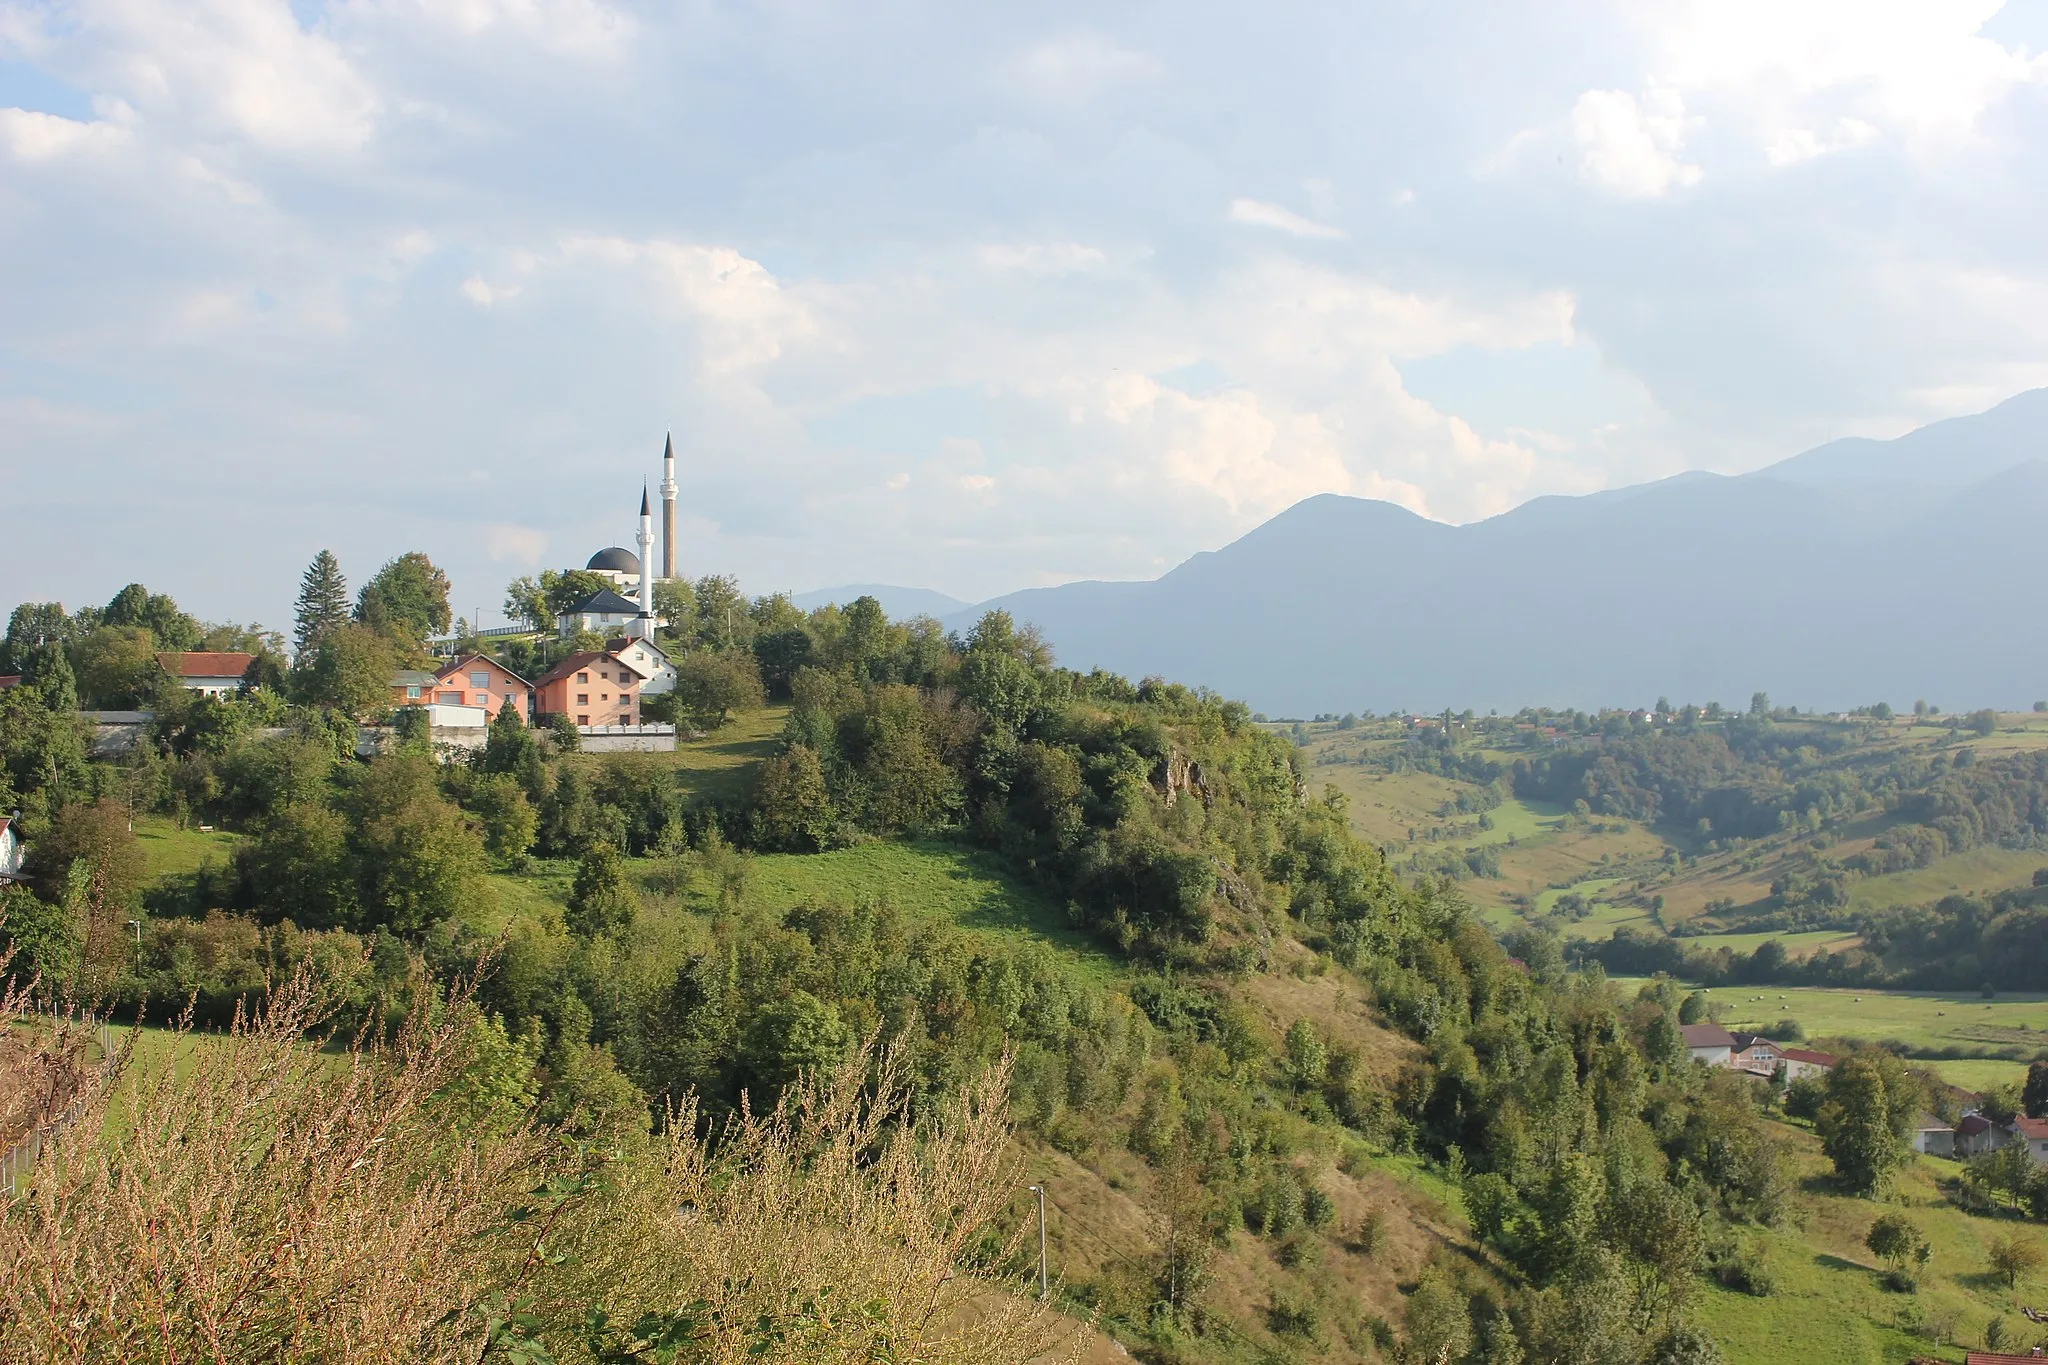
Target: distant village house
216,673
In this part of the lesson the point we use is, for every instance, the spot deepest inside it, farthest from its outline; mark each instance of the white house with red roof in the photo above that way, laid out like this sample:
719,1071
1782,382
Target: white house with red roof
217,673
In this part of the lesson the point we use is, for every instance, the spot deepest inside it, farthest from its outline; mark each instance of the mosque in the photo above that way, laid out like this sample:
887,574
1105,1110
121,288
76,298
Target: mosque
609,611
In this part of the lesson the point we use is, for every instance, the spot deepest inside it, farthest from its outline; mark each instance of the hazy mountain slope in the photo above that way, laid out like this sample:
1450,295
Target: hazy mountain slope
1700,588
897,602
1959,450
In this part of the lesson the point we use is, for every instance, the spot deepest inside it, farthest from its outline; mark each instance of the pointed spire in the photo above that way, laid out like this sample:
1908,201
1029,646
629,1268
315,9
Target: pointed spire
643,501
668,446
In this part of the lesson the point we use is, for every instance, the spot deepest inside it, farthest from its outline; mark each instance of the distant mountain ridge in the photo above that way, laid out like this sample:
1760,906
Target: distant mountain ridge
1855,572
898,603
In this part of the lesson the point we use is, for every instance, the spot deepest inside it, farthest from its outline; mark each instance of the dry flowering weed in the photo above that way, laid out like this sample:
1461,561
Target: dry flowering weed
840,1227
260,1199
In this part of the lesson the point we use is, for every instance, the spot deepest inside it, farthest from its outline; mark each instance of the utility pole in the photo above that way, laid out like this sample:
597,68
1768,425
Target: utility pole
136,925
1044,1287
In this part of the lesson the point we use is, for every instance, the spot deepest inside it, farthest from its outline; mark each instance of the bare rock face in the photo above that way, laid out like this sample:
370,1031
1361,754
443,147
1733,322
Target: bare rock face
1184,778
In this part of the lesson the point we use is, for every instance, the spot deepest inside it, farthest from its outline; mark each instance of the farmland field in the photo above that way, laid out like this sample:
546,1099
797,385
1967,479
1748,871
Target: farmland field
1923,1021
168,851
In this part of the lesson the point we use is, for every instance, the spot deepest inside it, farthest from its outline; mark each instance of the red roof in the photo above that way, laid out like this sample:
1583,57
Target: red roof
8,680
1800,1054
205,664
2035,1130
581,659
462,663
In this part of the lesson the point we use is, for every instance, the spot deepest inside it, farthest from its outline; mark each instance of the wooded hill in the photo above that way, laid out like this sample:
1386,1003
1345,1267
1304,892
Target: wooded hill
1291,1104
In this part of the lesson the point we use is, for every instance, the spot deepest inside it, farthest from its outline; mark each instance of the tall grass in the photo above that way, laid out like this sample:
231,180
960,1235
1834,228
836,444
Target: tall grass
269,1200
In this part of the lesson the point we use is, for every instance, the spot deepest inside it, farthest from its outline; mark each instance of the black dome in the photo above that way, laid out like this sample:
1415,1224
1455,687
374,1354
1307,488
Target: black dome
614,560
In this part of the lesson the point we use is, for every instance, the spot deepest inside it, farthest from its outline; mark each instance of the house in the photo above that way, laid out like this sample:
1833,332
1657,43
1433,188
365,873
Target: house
217,673
480,680
647,660
12,850
412,687
1932,1137
1709,1043
2032,1132
1976,1135
1756,1054
590,688
1801,1062
603,611
9,681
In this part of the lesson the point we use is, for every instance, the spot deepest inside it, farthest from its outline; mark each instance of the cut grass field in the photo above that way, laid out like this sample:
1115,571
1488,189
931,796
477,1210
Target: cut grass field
1924,1021
925,879
169,851
721,763
1829,1307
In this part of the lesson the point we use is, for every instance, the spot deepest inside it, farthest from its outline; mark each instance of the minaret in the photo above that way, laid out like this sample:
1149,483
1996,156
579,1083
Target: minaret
645,626
668,508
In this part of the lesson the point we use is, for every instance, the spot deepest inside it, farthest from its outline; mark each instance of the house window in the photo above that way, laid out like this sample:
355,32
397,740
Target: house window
604,696
583,720
582,677
412,694
479,680
583,699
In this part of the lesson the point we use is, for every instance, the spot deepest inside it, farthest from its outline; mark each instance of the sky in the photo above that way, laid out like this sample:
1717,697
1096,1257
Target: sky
968,297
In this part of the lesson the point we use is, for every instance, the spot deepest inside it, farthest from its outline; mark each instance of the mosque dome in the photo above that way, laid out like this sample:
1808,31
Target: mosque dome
614,560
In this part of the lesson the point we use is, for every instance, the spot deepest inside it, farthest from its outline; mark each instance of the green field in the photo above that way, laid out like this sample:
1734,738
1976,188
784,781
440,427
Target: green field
1829,1307
1796,944
719,764
1923,1021
926,879
168,851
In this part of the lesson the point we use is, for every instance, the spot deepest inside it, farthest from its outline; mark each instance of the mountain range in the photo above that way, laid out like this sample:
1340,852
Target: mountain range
1859,571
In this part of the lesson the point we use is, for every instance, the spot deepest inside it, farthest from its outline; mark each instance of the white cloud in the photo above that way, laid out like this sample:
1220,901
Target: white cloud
1080,65
578,30
1632,147
507,541
1258,213
33,136
1042,258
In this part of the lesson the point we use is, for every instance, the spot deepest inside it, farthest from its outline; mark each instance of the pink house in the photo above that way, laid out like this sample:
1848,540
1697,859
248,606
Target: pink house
479,680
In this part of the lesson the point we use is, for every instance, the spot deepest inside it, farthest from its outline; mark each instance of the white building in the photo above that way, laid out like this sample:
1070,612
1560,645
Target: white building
12,851
644,657
216,673
1708,1043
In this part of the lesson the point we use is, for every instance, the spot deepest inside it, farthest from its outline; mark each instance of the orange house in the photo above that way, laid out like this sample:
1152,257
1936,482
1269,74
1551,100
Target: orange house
479,680
590,689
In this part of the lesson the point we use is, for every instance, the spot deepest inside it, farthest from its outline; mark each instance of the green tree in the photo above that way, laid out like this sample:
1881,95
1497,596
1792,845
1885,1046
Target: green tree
1694,1009
96,834
2034,1097
1894,1240
526,600
1760,704
511,749
711,686
350,671
297,866
2014,1257
136,606
1686,1344
1438,1319
792,806
790,1037
50,675
1866,1120
1307,1058
780,654
509,819
34,629
418,860
406,601
560,592
117,668
602,902
322,605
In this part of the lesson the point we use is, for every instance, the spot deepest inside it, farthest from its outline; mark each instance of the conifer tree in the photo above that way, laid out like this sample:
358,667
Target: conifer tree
323,601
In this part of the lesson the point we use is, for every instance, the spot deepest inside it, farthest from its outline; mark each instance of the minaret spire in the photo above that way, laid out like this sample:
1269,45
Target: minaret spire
645,626
668,506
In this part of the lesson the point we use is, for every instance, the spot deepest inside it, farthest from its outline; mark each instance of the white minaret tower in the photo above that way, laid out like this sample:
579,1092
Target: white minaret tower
668,508
644,627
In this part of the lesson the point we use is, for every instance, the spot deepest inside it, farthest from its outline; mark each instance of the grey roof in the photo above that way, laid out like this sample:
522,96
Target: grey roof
615,559
407,677
605,602
1706,1035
